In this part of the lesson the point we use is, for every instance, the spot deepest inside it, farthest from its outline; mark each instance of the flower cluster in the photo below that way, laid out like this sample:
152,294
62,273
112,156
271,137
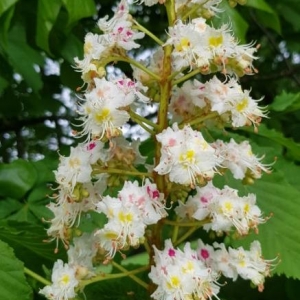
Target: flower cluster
186,156
128,215
103,110
222,208
198,45
121,202
193,274
118,37
239,159
182,274
232,104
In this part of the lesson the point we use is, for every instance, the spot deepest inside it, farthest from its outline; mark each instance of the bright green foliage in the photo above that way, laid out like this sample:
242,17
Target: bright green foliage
286,102
13,283
46,17
17,178
31,31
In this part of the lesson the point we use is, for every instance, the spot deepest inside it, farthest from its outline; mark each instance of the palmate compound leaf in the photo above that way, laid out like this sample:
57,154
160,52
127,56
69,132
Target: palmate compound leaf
27,241
279,236
13,284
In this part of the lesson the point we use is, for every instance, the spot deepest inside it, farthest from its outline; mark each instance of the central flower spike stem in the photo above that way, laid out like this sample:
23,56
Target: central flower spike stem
162,123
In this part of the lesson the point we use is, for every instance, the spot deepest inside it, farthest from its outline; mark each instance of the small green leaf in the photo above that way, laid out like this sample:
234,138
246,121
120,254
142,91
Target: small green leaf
278,137
3,84
277,237
5,21
23,58
286,102
290,11
72,47
79,9
233,18
28,243
17,178
13,284
260,4
6,4
46,16
269,20
9,206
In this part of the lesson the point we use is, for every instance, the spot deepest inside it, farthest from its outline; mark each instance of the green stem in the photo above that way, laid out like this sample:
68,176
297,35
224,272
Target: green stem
175,231
174,74
186,224
119,171
140,120
104,276
198,120
187,76
149,33
132,276
36,276
186,235
131,61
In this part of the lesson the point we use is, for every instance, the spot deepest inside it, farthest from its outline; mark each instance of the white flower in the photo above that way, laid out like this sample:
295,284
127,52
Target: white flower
181,275
186,156
82,252
76,168
128,215
197,45
102,111
239,159
63,282
224,208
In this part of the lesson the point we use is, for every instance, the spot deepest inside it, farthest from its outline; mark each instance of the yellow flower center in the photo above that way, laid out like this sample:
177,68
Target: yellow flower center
74,162
111,235
184,43
187,157
126,218
102,115
242,105
246,208
87,48
227,206
65,279
215,41
174,282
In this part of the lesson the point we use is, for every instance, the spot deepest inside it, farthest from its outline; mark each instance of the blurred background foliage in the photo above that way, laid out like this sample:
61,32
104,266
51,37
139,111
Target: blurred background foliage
38,41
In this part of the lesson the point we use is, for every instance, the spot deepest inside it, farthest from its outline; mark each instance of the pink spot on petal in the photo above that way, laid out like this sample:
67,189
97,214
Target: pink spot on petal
171,252
204,253
172,142
91,146
203,199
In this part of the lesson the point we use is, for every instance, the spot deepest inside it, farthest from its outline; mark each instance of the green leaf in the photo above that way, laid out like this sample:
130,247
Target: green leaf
6,4
260,4
28,243
5,21
47,13
9,206
290,11
265,14
23,58
3,84
286,102
79,9
17,178
232,17
278,137
13,283
72,47
269,20
277,237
